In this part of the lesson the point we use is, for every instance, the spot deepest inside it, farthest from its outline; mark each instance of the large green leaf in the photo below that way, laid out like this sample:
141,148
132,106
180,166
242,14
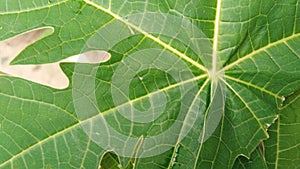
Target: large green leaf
190,84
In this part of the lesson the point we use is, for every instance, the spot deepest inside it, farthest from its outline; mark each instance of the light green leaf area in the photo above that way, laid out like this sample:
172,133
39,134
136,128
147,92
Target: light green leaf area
190,84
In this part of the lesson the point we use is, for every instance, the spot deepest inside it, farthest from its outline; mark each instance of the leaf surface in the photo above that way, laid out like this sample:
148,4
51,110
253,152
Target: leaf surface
190,84
282,147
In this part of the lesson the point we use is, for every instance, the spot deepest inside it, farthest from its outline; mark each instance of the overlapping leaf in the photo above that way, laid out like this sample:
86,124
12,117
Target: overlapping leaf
282,147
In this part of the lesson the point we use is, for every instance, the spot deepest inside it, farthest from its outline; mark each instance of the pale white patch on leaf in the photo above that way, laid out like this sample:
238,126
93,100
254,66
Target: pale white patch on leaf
45,74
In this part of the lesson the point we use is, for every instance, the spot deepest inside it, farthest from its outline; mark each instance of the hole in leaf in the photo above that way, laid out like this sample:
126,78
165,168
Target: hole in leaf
45,74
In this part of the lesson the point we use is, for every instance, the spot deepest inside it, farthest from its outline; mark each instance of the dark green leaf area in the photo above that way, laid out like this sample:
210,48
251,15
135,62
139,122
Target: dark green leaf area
157,162
255,161
109,161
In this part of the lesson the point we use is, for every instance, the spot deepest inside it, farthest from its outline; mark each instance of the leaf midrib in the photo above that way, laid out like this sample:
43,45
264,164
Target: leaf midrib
256,52
254,86
214,69
248,107
177,142
155,39
79,123
216,37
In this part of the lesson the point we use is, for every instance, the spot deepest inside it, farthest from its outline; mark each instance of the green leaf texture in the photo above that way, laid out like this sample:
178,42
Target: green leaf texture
256,161
190,83
282,149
